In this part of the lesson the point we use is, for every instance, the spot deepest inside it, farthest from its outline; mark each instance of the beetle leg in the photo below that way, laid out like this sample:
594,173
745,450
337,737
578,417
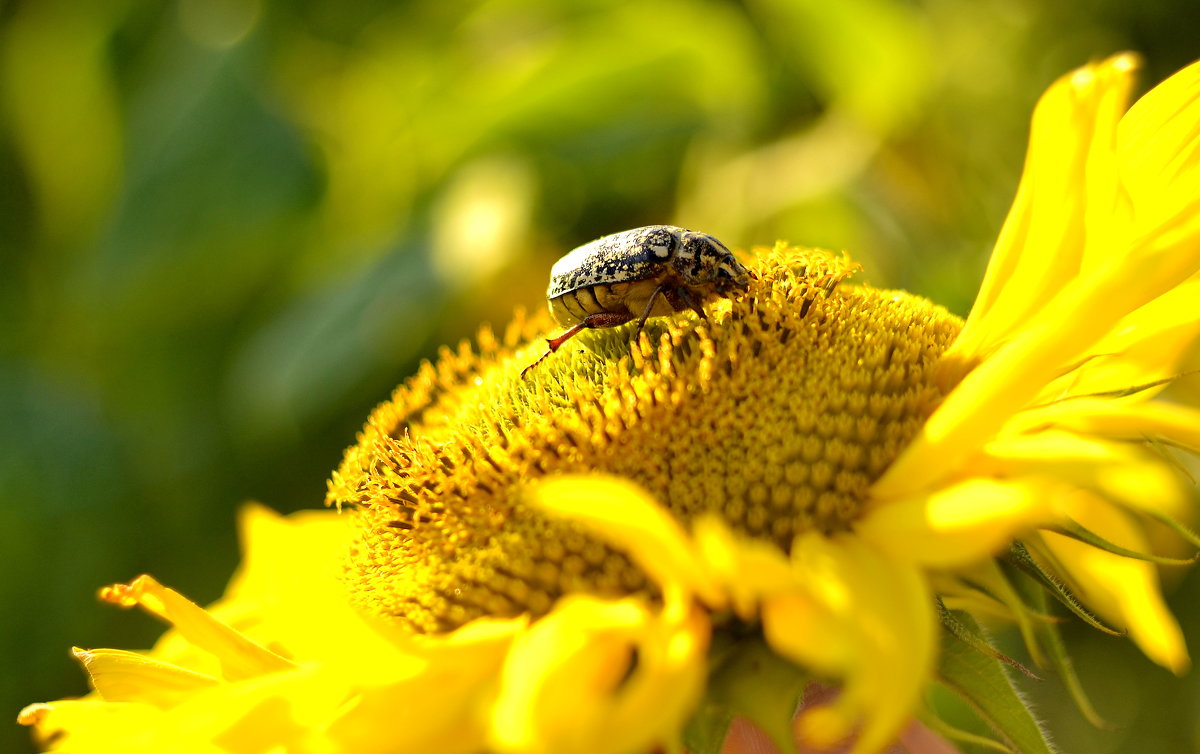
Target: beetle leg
659,291
590,322
691,302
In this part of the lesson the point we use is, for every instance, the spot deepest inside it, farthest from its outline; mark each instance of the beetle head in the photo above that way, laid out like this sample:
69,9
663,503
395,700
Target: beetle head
703,259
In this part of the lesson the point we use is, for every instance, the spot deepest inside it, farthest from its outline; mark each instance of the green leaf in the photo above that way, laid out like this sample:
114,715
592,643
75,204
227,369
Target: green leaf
751,681
981,681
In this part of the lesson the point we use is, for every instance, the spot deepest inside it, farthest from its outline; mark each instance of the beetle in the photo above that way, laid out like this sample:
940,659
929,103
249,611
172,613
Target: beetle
651,272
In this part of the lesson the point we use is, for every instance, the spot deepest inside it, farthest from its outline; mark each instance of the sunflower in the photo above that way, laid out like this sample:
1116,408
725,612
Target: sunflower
821,482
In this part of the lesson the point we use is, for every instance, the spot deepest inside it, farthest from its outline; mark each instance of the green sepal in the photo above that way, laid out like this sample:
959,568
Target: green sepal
949,732
1162,447
706,730
992,578
1076,531
980,680
1176,526
1019,556
1124,392
751,681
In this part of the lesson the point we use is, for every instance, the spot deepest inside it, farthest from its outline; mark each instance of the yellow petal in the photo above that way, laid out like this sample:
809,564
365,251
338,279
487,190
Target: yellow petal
343,699
1111,469
1145,346
957,525
102,728
865,617
440,705
239,656
1159,147
1123,590
288,590
283,711
272,710
1158,152
813,634
1023,343
1011,378
621,513
121,676
1042,243
598,676
282,554
1170,422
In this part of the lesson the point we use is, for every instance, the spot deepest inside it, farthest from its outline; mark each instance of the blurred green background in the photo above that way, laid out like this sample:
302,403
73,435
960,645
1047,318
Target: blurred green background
229,227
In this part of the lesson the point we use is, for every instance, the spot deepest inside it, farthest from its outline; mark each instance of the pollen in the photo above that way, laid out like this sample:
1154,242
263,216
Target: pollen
777,413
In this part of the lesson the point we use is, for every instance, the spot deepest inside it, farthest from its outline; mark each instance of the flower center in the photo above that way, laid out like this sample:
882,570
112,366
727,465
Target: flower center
777,414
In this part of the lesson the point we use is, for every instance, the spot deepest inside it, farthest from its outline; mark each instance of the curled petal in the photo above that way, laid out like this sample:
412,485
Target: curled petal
583,678
747,570
239,656
866,618
121,676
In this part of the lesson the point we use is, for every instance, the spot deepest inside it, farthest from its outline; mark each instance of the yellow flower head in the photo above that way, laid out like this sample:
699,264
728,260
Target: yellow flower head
776,416
629,541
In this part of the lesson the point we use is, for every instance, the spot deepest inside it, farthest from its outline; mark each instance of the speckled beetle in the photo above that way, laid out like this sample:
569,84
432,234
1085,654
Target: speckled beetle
650,271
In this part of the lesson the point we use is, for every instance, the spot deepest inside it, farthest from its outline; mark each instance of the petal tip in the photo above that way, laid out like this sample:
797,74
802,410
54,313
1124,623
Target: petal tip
1126,62
33,714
